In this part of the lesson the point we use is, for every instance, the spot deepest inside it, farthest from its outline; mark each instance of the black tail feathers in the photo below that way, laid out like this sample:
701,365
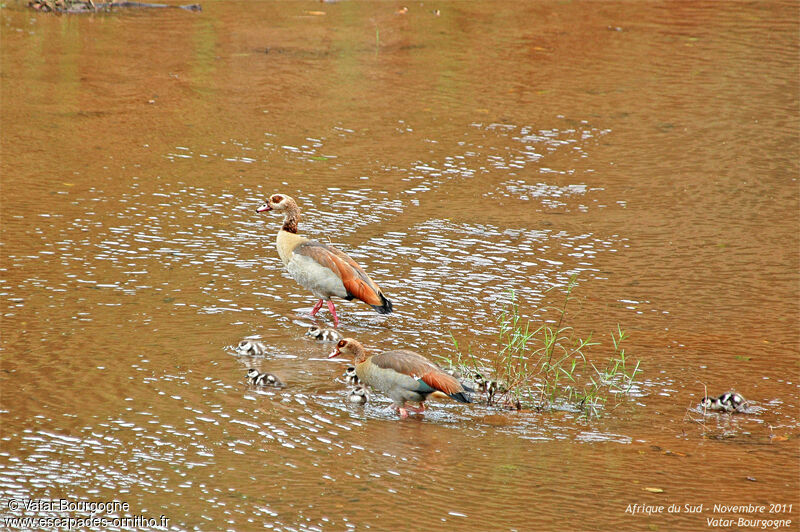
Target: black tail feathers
461,397
385,307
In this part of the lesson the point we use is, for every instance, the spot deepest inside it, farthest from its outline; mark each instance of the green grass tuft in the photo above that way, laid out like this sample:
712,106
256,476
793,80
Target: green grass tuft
548,366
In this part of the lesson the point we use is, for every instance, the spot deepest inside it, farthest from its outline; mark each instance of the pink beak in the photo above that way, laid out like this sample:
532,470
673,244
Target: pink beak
335,353
264,207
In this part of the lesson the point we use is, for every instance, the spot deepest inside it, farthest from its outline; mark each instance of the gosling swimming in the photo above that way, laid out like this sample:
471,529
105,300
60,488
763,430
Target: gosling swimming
358,395
263,379
727,402
323,335
251,348
350,376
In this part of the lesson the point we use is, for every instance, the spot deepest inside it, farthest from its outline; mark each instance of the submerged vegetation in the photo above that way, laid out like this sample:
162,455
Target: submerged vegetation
549,366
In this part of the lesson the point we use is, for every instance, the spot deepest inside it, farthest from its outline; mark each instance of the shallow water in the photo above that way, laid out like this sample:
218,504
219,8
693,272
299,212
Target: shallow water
649,148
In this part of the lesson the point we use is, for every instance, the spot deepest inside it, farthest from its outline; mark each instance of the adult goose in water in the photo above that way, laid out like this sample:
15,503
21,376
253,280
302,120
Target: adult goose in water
322,269
402,375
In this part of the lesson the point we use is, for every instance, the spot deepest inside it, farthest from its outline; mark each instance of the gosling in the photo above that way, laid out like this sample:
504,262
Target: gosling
727,402
358,395
263,379
350,376
251,348
323,335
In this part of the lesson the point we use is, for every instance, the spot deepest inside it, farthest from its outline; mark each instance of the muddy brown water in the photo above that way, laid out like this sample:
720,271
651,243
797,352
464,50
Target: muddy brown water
650,148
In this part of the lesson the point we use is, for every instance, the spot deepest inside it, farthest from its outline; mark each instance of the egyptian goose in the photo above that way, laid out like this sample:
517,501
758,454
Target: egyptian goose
251,348
324,335
322,269
402,375
358,395
263,379
727,402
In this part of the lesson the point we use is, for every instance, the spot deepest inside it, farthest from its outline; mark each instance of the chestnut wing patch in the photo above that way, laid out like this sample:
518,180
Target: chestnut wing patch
439,380
418,367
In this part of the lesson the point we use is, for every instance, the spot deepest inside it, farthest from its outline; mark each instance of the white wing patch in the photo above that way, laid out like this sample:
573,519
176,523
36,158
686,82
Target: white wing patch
311,275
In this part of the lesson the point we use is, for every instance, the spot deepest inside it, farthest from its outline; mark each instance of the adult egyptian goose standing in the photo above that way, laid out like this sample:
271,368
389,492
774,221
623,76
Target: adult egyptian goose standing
322,269
402,375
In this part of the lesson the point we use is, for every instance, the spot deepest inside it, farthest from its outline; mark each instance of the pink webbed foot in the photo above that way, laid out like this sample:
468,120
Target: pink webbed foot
333,311
416,409
400,410
316,307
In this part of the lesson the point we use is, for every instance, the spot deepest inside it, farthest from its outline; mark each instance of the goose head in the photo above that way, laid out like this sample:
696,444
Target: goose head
277,203
349,346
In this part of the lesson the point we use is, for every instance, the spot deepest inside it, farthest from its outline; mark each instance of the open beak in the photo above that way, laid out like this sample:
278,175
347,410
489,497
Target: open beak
264,207
335,353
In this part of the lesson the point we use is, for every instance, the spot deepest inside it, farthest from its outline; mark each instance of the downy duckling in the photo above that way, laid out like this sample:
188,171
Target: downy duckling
323,335
484,384
350,376
489,387
358,395
251,348
727,402
500,395
492,388
263,379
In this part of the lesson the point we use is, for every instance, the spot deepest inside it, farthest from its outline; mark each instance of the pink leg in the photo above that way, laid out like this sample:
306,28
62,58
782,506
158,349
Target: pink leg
316,308
400,410
417,409
333,311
